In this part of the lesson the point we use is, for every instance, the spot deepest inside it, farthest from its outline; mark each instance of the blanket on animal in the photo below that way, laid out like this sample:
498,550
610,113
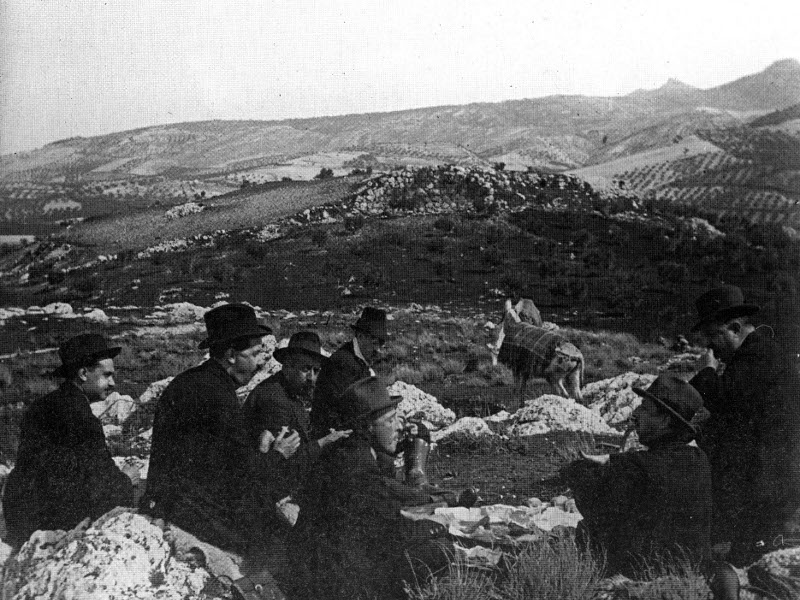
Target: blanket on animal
529,345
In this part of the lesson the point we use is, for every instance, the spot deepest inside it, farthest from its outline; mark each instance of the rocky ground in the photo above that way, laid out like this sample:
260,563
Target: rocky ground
512,458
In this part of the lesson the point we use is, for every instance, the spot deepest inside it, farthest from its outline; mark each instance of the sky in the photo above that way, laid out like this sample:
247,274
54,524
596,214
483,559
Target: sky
89,67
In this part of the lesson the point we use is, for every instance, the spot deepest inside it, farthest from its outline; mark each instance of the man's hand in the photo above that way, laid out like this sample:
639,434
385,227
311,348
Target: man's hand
598,459
266,441
288,511
707,359
286,445
334,436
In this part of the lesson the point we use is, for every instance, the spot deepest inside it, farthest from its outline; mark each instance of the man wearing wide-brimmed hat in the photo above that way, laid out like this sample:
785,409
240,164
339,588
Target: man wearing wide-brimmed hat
205,476
348,364
641,506
283,401
753,436
351,540
64,471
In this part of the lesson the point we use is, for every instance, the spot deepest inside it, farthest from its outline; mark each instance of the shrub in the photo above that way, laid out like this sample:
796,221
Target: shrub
88,284
324,173
459,583
452,366
319,237
558,570
354,223
445,224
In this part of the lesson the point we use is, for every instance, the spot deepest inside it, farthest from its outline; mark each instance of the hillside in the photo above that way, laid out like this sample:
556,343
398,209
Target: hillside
135,170
454,236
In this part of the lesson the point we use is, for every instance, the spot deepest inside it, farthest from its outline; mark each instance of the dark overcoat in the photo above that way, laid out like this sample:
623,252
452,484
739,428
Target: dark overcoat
351,541
644,505
753,442
204,474
64,471
270,406
341,370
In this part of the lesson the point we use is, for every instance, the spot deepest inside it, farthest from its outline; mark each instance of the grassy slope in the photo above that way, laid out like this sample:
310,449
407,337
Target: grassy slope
244,209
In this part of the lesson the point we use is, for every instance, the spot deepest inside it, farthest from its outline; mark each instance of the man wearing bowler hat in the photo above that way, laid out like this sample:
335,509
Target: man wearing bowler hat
348,364
641,506
351,540
753,436
64,471
205,476
282,402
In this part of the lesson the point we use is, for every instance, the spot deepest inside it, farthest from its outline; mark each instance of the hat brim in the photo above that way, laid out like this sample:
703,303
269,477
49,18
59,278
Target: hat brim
665,406
63,370
280,354
260,332
726,314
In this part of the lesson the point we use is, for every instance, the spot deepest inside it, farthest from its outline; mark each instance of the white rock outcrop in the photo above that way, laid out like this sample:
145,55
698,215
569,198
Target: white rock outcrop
554,413
120,556
416,403
470,425
115,409
613,398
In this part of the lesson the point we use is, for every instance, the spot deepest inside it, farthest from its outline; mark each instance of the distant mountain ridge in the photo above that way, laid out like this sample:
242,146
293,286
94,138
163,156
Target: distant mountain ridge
558,133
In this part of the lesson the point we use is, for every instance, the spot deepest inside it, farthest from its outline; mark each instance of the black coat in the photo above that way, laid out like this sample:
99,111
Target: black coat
753,442
64,471
204,474
269,406
351,541
341,370
644,504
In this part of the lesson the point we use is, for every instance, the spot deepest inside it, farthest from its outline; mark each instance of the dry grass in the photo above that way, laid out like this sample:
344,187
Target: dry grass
555,570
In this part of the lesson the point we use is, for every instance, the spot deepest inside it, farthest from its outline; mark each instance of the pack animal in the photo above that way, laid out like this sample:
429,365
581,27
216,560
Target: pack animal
532,351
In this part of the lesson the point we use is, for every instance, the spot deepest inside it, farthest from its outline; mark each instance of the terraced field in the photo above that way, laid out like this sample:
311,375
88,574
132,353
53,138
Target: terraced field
743,173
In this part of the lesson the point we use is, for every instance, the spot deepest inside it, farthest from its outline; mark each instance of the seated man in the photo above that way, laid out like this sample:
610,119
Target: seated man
639,507
281,401
205,476
352,541
64,470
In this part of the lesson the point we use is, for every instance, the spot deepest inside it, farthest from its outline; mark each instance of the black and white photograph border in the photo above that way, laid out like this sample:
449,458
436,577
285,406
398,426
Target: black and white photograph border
399,300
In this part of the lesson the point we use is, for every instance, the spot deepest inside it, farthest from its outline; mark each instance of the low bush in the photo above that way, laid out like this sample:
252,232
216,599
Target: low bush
557,570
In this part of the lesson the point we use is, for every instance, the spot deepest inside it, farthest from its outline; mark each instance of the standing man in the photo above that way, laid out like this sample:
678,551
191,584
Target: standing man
753,436
204,474
282,401
348,364
64,471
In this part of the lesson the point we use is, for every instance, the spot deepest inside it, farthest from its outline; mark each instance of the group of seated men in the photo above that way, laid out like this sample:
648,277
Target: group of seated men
313,500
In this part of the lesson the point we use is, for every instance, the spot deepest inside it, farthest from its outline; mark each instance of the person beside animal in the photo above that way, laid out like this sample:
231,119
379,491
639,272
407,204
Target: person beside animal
64,471
524,311
205,475
753,436
532,351
281,402
352,541
645,506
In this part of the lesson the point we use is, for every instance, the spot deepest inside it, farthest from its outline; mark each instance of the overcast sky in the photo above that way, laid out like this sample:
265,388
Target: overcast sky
87,67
